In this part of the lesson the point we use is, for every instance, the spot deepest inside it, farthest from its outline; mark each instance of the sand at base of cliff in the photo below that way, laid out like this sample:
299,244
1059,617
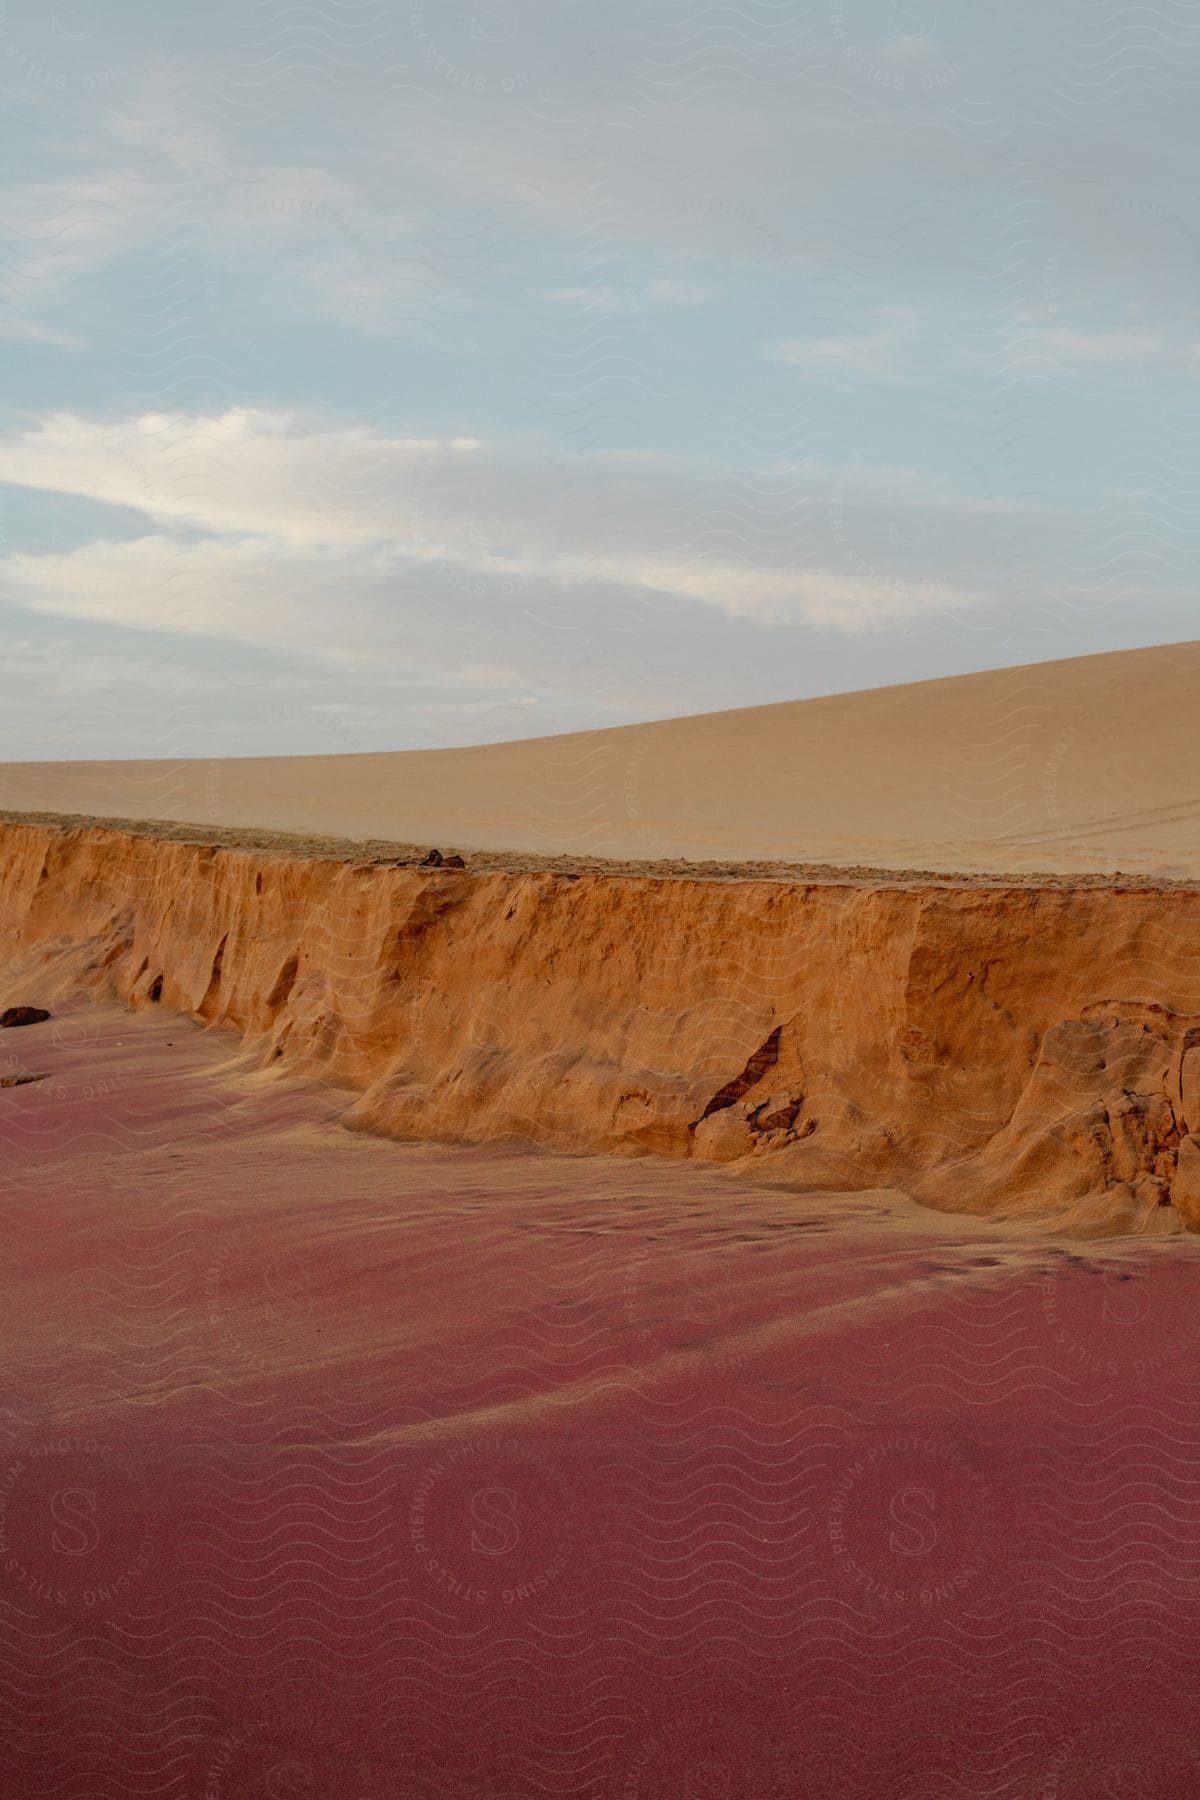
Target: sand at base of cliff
348,1468
1087,766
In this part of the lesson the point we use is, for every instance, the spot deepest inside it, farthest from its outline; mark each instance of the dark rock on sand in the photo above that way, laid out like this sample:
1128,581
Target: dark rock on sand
23,1015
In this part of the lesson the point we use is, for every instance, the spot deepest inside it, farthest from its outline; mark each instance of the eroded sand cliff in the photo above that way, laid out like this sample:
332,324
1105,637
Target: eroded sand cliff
1015,1050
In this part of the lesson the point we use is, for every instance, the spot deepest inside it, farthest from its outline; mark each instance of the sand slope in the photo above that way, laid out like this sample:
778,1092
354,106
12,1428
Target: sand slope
1089,765
339,1470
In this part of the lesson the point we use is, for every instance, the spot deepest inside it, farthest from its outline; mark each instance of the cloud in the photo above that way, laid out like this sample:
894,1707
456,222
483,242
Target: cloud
17,330
59,232
355,505
902,345
336,601
681,293
597,298
882,349
633,297
245,470
1118,344
351,605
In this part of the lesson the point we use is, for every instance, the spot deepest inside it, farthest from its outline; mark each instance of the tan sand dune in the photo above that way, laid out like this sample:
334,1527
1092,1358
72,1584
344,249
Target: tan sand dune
1086,766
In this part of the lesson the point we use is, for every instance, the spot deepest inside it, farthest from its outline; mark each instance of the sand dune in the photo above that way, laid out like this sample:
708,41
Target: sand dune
1086,766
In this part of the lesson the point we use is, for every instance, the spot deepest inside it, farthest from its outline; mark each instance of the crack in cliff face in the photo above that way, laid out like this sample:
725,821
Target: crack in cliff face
764,1058
285,981
208,1005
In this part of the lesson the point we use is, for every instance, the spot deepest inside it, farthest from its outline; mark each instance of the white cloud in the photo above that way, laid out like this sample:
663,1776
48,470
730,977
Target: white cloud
331,600
354,506
349,603
681,293
882,349
634,297
591,298
242,471
1119,344
17,330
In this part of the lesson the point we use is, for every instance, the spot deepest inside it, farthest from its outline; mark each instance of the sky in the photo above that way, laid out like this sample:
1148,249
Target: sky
397,375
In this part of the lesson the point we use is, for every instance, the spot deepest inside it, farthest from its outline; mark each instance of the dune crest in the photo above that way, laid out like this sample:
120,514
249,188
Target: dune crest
1084,766
1000,1049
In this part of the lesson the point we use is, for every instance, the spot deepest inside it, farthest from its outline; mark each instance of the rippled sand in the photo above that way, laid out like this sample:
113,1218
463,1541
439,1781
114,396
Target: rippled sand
339,1467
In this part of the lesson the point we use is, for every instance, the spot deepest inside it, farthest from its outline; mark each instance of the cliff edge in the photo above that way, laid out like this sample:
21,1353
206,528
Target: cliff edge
1022,1051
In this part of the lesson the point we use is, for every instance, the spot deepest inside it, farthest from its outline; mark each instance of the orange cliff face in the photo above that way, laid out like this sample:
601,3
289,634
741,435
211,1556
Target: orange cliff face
1015,1050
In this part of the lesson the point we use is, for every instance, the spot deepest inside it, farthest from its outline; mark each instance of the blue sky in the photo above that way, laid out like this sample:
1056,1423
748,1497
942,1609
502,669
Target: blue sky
385,376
